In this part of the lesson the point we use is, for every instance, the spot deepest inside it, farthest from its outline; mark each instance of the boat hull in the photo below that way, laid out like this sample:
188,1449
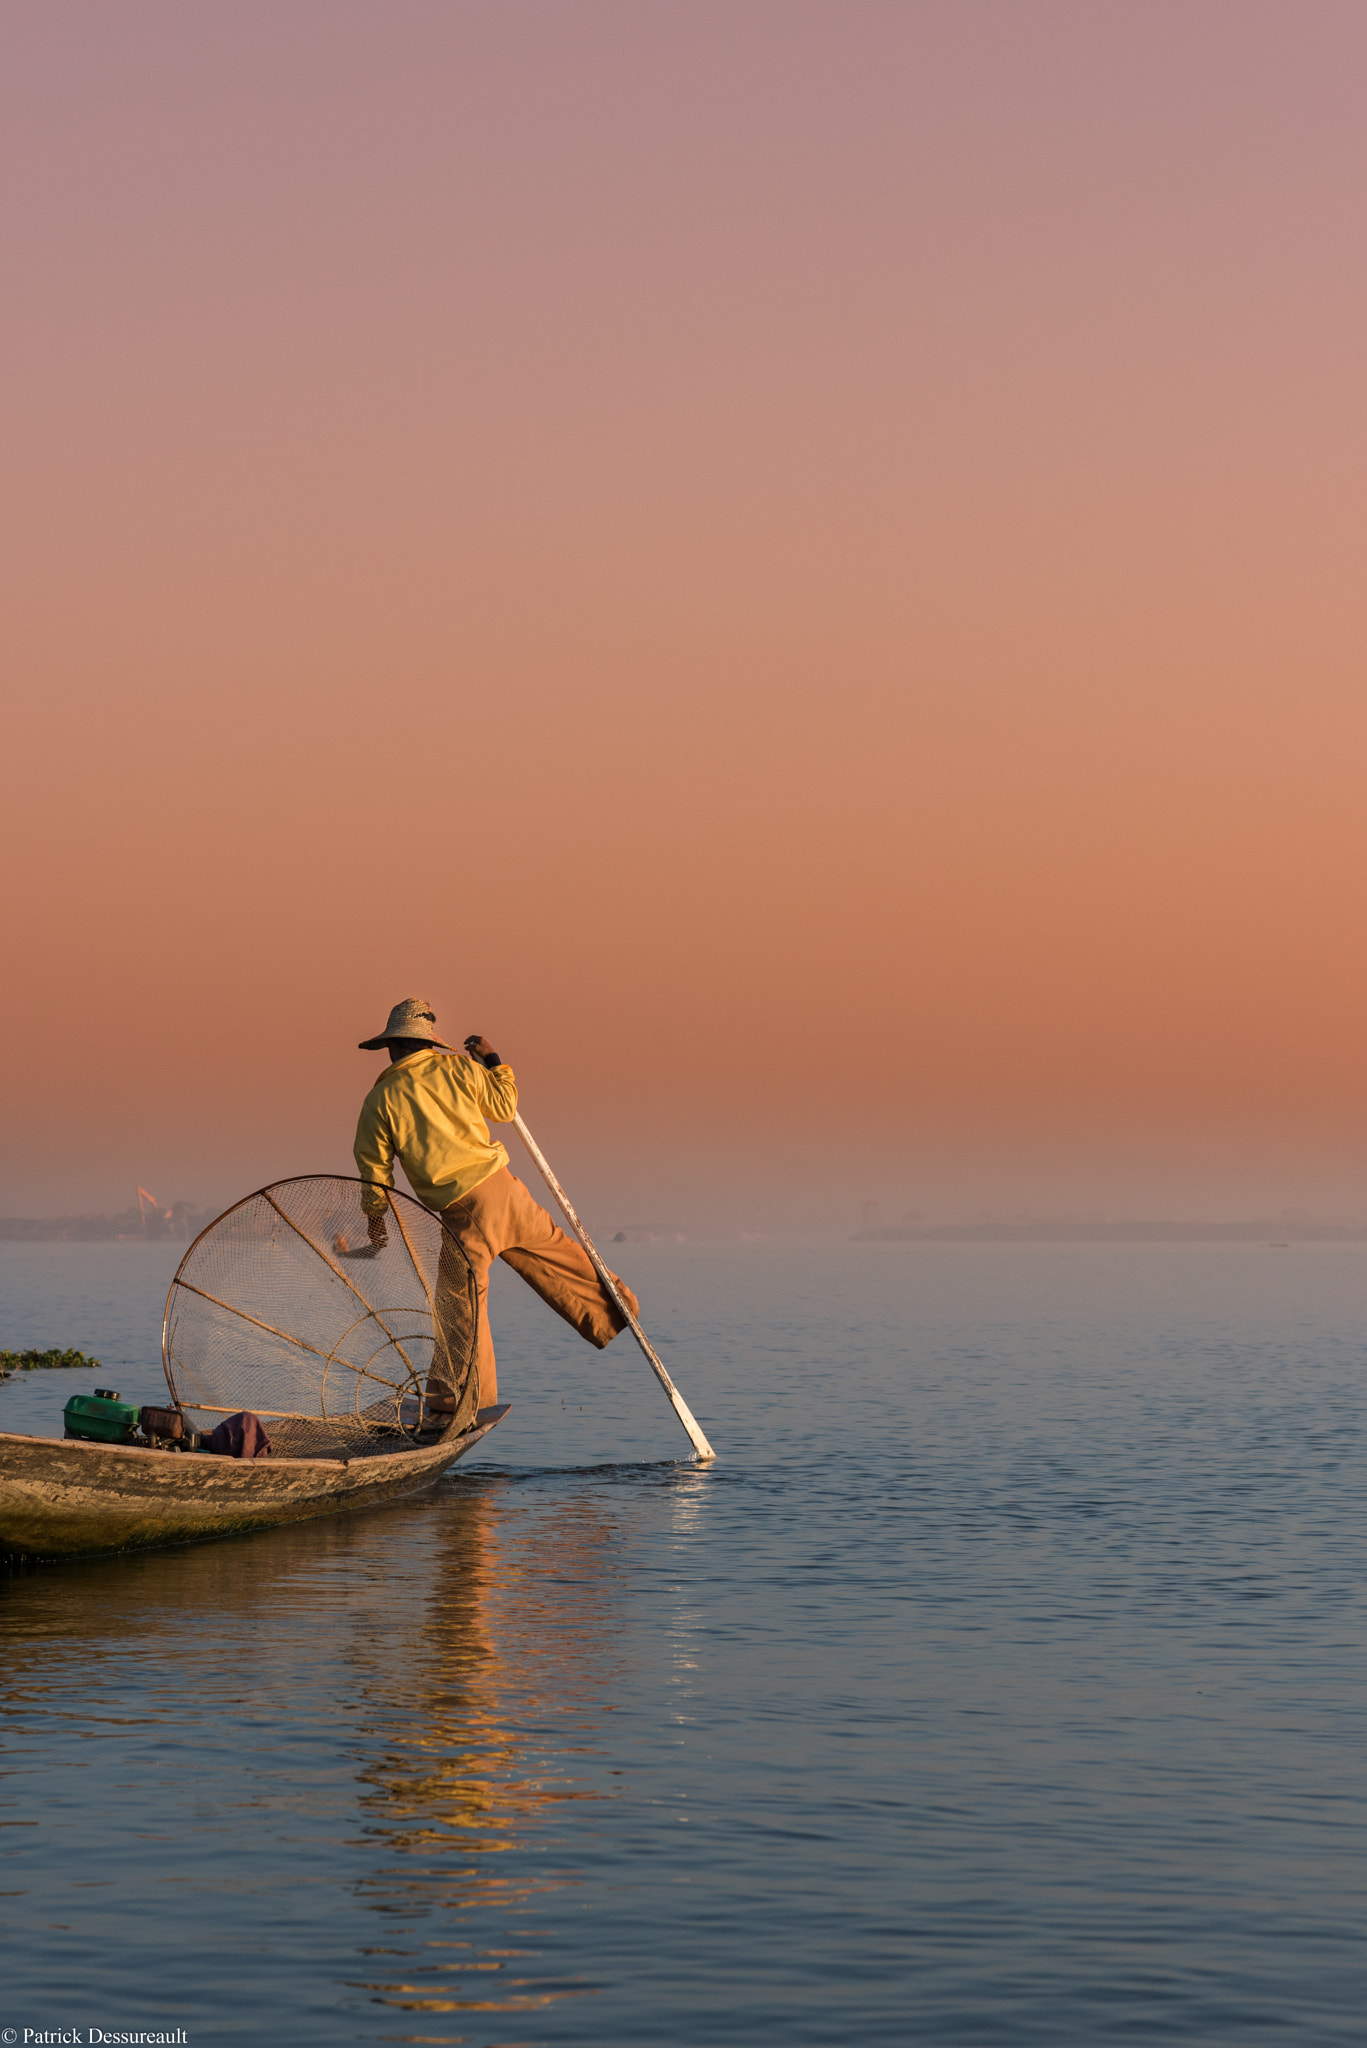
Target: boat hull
63,1498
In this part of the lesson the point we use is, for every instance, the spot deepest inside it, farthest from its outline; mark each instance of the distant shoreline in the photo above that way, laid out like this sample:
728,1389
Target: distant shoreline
186,1224
1271,1231
179,1227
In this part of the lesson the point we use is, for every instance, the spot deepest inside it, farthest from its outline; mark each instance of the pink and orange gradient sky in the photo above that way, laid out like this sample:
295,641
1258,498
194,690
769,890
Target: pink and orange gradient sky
800,565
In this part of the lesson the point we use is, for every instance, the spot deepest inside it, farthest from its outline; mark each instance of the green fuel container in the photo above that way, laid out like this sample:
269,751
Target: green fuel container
101,1418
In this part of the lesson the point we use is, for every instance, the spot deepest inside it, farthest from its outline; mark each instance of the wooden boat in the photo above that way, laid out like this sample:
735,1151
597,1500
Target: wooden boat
60,1497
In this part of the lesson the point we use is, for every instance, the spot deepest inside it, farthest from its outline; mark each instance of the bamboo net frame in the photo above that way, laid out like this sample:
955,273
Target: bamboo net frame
285,1307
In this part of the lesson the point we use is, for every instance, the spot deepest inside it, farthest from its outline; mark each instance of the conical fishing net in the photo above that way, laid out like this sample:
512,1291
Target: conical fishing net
344,1349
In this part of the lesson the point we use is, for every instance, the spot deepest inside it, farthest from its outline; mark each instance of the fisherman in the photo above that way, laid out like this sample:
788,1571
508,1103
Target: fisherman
431,1108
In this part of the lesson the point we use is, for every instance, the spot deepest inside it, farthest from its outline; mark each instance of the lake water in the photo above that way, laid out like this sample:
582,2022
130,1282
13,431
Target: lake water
1002,1683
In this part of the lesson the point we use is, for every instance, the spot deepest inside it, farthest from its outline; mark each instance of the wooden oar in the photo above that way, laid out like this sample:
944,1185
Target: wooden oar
676,1399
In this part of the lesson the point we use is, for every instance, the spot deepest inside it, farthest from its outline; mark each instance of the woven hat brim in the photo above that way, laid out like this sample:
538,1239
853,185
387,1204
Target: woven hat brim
374,1044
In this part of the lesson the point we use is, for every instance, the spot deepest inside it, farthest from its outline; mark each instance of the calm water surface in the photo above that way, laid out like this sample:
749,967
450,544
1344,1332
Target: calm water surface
1002,1683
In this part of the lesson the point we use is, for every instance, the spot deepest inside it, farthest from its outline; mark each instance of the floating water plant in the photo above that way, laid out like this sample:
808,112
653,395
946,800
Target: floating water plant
41,1361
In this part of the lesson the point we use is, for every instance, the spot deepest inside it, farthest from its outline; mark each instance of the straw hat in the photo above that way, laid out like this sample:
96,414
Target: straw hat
412,1018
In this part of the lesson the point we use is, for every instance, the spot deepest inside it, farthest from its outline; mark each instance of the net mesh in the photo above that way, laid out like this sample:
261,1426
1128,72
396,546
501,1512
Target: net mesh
344,1349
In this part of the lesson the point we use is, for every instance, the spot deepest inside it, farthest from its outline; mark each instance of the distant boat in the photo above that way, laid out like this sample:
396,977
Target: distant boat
60,1497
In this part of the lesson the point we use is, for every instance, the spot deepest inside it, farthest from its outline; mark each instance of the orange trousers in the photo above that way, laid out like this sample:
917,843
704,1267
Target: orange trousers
499,1220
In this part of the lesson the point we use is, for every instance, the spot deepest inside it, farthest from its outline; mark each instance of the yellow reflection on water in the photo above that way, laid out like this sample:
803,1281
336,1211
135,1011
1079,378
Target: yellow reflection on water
514,1654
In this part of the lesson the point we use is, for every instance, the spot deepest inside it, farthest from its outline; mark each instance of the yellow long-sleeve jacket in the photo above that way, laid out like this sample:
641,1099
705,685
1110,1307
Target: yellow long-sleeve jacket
430,1110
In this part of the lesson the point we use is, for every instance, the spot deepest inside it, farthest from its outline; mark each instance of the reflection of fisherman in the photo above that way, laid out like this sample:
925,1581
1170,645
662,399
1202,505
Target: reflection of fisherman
429,1108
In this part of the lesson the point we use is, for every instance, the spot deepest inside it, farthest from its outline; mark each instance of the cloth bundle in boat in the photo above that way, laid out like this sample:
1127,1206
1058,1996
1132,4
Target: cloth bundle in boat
344,1349
240,1436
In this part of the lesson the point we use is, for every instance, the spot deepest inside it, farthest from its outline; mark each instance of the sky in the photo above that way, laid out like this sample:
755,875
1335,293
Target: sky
796,563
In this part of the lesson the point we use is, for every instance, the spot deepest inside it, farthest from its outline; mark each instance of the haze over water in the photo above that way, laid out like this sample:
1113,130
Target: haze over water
797,563
1001,1684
